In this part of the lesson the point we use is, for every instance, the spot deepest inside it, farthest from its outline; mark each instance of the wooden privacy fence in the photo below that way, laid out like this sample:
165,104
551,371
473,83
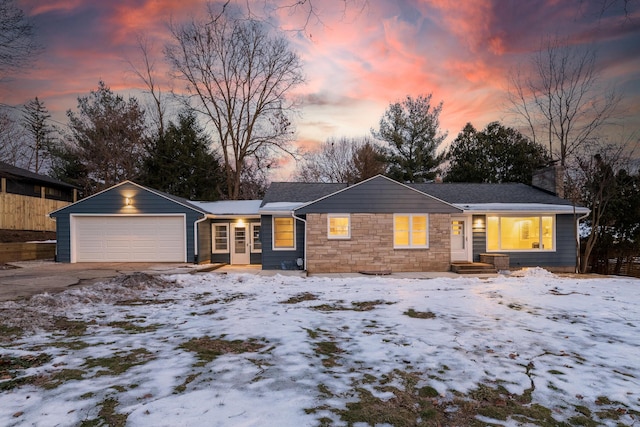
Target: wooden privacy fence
27,213
26,251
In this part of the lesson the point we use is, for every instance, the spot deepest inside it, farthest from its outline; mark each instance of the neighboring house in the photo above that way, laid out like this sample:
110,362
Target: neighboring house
376,225
26,198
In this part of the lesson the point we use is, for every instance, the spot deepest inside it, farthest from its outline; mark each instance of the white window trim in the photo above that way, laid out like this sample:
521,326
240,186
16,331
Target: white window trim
411,246
523,215
273,234
253,249
213,239
329,236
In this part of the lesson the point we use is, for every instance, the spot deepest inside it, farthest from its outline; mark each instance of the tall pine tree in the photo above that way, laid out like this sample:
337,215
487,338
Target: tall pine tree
181,163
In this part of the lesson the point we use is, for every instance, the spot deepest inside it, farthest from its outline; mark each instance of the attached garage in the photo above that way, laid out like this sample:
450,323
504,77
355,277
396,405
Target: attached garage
131,223
128,238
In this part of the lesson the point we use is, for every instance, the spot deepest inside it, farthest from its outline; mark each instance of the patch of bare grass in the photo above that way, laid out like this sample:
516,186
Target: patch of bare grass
119,362
329,351
419,314
133,328
107,416
12,368
355,306
306,296
207,348
412,403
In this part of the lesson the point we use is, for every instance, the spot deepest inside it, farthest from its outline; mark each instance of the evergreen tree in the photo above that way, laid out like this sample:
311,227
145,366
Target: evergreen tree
181,162
109,137
496,154
412,131
36,122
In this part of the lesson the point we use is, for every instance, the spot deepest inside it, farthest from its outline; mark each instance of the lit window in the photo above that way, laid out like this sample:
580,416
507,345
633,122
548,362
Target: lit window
339,226
410,231
256,243
511,233
283,233
220,238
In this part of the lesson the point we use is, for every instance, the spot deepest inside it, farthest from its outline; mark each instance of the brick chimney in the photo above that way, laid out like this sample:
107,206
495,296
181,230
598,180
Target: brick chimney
550,179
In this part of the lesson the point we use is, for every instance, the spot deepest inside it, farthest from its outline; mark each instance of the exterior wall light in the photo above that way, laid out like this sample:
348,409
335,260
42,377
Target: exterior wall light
478,225
127,201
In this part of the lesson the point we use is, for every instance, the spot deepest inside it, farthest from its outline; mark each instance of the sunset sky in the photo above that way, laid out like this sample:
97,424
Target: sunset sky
358,55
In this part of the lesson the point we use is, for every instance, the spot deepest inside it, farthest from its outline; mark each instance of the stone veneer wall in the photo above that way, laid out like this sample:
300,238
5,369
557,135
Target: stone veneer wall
370,247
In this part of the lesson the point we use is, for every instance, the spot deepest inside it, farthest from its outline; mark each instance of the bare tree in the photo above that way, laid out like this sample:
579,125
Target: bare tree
348,160
594,183
17,43
12,140
145,70
560,99
239,77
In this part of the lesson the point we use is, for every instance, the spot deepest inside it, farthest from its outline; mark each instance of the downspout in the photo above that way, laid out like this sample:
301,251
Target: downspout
304,254
195,238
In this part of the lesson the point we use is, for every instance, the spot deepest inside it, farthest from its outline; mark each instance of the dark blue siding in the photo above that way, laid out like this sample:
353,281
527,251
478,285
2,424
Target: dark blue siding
563,256
63,231
479,238
273,260
378,195
112,202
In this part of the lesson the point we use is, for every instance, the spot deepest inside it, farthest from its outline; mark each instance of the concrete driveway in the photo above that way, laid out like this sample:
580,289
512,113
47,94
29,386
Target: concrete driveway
36,277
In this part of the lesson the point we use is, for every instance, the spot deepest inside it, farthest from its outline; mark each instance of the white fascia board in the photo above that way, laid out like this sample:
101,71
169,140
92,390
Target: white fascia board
279,208
540,208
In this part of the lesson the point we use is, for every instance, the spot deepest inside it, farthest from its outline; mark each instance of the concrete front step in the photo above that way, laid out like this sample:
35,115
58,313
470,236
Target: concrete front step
472,268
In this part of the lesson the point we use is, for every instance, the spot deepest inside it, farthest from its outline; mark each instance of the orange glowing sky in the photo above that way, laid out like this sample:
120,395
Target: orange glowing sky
357,58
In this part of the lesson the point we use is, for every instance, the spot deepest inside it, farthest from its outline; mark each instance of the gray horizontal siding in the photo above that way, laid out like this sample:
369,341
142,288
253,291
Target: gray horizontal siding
563,256
204,242
273,260
378,195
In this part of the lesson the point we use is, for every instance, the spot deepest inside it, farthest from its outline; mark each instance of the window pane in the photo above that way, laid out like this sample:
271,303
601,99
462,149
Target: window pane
220,239
419,230
257,244
518,233
547,233
401,231
283,233
338,226
493,233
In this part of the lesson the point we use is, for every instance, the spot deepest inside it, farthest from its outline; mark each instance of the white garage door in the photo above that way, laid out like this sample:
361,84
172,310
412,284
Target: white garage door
128,239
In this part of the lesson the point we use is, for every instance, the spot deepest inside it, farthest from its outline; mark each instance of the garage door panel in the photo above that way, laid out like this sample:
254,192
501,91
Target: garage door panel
129,239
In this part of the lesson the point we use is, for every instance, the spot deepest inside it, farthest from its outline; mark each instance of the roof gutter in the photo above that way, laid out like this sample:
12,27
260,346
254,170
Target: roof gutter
304,255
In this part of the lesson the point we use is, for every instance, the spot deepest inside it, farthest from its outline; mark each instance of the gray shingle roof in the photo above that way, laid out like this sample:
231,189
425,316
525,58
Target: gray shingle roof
454,193
9,171
461,193
299,191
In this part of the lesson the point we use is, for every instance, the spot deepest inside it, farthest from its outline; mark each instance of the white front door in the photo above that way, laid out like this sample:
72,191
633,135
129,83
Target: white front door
460,238
240,253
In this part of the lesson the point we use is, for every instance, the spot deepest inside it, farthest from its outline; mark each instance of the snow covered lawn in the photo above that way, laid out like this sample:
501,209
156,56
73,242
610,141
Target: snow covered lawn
244,350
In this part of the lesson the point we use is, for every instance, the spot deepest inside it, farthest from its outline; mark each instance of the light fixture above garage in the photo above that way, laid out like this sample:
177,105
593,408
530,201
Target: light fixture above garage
127,201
